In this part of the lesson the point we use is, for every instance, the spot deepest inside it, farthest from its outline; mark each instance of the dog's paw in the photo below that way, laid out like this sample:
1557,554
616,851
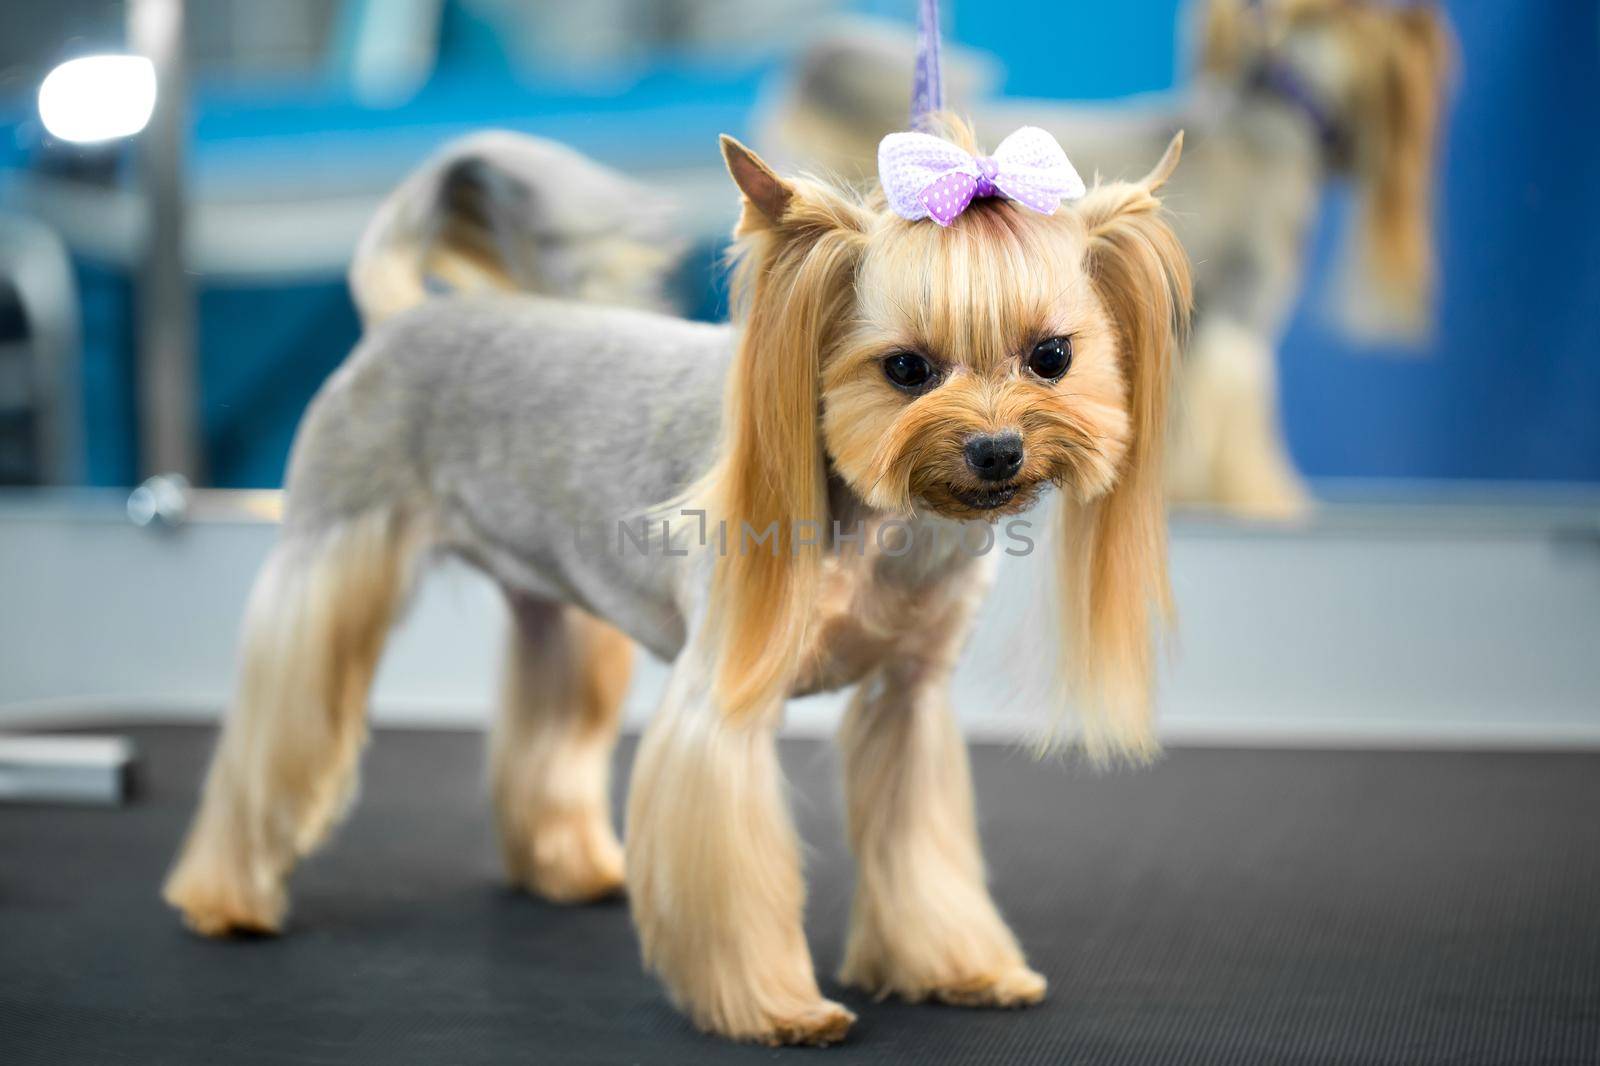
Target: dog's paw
573,857
1009,984
216,908
1016,987
824,1022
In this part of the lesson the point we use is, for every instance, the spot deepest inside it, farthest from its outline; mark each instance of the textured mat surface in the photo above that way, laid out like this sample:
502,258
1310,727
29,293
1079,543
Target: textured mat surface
1221,908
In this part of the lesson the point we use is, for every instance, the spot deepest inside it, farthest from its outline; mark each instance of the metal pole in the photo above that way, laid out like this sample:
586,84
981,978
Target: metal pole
169,397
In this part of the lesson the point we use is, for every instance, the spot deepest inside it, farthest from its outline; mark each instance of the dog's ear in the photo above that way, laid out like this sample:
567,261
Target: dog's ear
793,284
764,192
1114,595
1164,167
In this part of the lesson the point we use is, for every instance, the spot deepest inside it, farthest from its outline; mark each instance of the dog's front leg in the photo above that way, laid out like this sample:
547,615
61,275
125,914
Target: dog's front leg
922,925
713,872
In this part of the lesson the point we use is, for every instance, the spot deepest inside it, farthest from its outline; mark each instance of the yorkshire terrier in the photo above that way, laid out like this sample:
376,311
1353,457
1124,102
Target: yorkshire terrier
881,370
1289,97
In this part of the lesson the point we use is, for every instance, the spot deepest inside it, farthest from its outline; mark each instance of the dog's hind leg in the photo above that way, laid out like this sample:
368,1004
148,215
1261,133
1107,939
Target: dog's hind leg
285,767
566,676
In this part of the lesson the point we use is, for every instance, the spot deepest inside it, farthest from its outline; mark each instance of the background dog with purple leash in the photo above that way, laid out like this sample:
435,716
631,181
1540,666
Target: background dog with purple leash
1290,97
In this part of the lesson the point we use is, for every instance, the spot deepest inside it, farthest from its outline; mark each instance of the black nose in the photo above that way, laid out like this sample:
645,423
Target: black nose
994,458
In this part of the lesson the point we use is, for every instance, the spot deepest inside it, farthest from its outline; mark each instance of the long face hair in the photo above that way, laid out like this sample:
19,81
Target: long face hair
1383,71
830,286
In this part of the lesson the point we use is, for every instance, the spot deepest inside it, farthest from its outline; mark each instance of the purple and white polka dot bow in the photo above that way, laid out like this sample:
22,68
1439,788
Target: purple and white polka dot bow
928,177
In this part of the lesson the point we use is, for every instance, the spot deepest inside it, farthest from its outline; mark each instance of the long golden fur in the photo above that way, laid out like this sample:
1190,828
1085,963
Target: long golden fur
284,770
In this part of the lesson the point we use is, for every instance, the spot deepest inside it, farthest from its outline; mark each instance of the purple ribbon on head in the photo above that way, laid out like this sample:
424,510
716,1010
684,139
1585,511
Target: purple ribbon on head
928,177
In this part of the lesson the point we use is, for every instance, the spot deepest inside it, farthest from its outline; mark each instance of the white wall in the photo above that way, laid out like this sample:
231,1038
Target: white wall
1380,625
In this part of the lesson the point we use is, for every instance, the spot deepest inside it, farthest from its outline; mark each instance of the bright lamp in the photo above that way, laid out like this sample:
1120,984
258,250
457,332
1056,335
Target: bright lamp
98,98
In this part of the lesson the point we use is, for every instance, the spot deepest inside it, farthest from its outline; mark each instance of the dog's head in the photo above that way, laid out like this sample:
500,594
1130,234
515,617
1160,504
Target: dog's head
1377,73
959,370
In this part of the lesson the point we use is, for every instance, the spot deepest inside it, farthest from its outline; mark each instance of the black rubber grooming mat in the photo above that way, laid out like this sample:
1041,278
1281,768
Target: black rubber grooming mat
1223,907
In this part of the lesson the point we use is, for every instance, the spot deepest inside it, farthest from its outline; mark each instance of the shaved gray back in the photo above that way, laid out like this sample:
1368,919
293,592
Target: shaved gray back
527,428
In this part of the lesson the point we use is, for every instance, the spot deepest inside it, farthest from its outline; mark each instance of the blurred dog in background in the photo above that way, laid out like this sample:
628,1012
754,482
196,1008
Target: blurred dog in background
1288,96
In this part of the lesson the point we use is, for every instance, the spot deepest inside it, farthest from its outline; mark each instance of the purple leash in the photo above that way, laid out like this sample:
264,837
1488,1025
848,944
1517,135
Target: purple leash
927,79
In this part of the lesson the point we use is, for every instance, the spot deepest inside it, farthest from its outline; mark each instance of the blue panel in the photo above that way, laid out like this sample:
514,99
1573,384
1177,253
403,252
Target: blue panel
264,352
1080,51
110,413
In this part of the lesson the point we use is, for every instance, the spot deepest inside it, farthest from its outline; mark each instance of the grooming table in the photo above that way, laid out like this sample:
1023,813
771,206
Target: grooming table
1223,907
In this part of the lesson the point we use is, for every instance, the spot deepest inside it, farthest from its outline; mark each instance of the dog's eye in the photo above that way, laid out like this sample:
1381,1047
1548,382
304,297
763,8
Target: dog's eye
907,370
1051,358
